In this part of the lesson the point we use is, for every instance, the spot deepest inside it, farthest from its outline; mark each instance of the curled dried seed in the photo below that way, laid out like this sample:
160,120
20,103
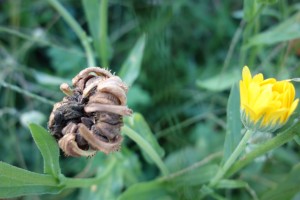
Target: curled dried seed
111,87
87,90
89,118
104,98
94,141
107,130
84,73
110,118
120,110
69,146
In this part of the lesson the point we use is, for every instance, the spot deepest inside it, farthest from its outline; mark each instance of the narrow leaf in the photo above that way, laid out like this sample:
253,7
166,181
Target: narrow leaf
145,191
48,148
131,67
267,2
234,124
285,31
145,146
139,124
231,184
219,82
15,182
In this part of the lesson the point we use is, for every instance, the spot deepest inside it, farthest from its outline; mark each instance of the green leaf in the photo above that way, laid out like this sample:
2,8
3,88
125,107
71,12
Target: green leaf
234,124
131,67
145,191
219,82
287,188
147,147
66,64
285,31
231,184
137,96
32,116
118,171
15,182
48,148
139,124
46,79
268,2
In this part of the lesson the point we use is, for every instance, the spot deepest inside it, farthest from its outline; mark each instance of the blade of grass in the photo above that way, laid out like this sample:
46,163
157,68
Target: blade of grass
234,124
103,33
77,29
131,67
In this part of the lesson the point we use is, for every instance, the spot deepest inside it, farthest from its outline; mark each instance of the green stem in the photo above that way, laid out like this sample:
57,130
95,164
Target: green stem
26,93
103,33
233,43
235,154
147,148
274,143
77,29
87,182
248,32
191,167
40,40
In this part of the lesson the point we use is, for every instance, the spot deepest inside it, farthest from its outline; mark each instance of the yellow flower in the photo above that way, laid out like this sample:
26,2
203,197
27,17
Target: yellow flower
266,105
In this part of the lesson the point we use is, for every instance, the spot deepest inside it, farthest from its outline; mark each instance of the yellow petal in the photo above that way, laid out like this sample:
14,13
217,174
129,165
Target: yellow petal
293,107
258,78
250,113
268,81
246,75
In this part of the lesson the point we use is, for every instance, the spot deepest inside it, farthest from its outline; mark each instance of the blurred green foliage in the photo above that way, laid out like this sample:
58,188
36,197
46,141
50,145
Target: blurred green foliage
181,59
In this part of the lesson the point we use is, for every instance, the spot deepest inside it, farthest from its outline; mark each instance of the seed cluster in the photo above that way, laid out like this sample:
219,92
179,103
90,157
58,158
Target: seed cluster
90,117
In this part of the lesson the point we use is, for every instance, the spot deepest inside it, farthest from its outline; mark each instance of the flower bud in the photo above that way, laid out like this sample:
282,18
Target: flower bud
266,104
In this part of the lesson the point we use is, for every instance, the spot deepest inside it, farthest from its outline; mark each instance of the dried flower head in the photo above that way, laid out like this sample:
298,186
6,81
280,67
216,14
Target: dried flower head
266,104
89,118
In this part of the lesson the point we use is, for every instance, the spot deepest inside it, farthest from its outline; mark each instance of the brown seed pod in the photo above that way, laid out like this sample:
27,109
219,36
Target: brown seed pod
89,118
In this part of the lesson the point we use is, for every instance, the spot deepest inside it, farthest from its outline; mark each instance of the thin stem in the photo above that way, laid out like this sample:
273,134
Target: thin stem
24,92
77,29
103,33
191,167
274,143
147,148
247,34
235,154
187,122
87,182
32,38
233,43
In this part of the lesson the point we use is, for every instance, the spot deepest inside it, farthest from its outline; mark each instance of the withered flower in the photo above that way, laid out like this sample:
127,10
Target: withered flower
89,118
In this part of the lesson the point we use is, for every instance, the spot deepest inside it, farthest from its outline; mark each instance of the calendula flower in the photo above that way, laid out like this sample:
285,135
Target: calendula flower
266,104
